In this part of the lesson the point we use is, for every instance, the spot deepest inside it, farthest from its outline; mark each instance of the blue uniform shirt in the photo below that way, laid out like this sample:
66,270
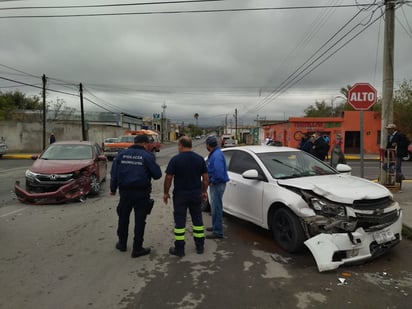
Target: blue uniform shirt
134,167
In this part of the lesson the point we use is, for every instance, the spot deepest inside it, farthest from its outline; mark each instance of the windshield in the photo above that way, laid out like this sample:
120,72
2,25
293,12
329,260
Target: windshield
294,164
67,152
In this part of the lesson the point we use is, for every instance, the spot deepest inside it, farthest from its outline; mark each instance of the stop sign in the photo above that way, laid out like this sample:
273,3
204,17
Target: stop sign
362,96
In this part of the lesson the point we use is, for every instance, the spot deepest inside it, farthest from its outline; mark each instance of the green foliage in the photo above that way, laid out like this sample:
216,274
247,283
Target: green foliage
193,130
11,101
402,107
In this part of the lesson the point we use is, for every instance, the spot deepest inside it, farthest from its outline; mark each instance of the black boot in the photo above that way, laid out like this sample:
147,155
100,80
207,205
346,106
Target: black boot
174,251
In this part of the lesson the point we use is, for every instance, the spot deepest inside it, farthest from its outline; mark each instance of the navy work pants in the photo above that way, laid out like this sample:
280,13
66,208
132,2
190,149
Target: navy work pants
136,200
180,206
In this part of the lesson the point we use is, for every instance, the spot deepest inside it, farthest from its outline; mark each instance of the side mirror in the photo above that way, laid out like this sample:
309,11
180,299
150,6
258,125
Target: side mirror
251,174
343,168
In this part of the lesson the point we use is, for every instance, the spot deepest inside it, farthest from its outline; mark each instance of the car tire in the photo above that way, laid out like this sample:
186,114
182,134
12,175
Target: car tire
94,185
287,230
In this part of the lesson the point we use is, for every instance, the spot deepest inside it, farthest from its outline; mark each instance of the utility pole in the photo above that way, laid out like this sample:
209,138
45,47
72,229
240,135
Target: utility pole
387,84
225,130
235,123
44,80
162,123
82,113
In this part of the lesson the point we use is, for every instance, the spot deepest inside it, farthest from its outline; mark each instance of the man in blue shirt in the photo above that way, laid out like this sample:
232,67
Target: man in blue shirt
188,172
218,177
132,172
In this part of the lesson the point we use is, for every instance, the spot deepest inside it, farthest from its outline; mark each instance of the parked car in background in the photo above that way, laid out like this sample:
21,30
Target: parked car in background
125,141
3,146
229,143
341,218
110,140
223,138
64,171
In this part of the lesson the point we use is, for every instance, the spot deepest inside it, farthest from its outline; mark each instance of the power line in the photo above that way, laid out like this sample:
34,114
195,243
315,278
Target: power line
296,76
185,11
107,5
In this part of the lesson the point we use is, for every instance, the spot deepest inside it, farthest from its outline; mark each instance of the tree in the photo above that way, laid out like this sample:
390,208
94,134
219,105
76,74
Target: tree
321,109
12,101
402,107
59,110
196,117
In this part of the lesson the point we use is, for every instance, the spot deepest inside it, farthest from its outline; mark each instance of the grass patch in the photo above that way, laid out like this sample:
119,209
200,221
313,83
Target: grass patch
406,232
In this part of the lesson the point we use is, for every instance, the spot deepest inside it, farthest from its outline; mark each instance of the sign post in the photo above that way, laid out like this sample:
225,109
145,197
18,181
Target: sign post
362,96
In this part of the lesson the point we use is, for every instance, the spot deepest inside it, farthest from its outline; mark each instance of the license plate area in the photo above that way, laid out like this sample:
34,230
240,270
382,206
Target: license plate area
383,236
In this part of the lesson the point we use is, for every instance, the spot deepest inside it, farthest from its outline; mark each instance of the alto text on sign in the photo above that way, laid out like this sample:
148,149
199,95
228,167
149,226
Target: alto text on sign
362,96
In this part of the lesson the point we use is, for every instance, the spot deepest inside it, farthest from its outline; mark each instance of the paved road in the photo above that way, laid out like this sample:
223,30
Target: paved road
63,256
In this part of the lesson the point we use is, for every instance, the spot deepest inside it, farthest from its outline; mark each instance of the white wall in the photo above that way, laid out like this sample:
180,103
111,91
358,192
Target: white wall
28,137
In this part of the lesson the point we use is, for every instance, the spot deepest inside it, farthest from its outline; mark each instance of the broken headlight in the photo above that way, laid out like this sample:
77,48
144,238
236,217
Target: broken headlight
326,208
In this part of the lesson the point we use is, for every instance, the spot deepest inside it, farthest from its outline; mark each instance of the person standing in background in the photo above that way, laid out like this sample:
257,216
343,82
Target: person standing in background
52,138
218,177
398,142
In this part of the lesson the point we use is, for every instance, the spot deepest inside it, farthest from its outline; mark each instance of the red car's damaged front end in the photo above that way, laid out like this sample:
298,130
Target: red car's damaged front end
72,191
64,172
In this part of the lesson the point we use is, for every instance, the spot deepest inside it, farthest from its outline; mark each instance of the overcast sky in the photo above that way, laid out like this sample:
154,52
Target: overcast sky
267,59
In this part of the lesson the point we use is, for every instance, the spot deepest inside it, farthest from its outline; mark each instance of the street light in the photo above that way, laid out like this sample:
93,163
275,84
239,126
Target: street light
333,101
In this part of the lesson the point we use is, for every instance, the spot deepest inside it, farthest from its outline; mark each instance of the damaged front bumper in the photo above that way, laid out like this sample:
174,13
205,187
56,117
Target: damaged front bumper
333,250
74,190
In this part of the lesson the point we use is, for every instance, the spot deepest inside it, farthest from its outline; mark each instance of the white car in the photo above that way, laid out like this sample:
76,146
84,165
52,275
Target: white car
341,218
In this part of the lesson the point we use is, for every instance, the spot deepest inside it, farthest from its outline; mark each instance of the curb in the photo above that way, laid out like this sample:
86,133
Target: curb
17,156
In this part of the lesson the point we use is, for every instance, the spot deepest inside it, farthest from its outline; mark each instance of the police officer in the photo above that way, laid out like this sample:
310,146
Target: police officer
189,172
132,171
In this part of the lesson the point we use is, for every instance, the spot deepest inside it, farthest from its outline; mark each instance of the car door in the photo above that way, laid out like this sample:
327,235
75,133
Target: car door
243,197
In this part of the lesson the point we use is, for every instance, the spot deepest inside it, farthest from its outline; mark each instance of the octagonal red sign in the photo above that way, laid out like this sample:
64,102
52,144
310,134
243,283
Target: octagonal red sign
362,96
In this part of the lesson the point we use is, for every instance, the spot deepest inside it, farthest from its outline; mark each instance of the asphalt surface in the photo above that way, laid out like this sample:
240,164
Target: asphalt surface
403,195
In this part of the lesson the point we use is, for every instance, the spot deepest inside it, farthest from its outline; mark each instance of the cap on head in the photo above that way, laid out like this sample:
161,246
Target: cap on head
391,126
142,138
211,141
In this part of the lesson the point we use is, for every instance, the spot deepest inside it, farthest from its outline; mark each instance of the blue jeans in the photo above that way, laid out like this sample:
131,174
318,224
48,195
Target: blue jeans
216,206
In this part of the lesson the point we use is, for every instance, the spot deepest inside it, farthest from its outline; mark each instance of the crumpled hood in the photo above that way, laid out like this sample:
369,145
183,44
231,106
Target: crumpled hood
339,188
59,166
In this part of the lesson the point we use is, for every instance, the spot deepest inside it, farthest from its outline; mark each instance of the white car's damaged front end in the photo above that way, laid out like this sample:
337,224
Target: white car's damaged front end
347,224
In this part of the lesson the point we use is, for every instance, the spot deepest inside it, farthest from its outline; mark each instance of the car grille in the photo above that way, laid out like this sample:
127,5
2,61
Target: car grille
371,222
373,204
47,182
373,214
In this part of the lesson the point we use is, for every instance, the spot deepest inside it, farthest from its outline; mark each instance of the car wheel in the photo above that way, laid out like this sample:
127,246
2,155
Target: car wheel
287,230
94,185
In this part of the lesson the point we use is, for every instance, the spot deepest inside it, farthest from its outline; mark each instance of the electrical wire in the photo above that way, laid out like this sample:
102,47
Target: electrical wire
107,5
293,78
182,11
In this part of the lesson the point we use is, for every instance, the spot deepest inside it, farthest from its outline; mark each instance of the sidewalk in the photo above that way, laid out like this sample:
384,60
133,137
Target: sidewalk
404,197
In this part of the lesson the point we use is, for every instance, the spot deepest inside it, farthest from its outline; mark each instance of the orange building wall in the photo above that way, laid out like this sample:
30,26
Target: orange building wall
289,132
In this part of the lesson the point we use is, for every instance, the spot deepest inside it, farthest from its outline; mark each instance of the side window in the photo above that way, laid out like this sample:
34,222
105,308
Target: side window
228,157
242,161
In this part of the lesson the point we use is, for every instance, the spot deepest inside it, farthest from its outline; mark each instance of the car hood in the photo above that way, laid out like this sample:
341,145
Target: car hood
339,188
58,166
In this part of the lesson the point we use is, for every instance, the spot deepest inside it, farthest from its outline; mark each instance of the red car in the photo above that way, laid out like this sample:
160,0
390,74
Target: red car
64,171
